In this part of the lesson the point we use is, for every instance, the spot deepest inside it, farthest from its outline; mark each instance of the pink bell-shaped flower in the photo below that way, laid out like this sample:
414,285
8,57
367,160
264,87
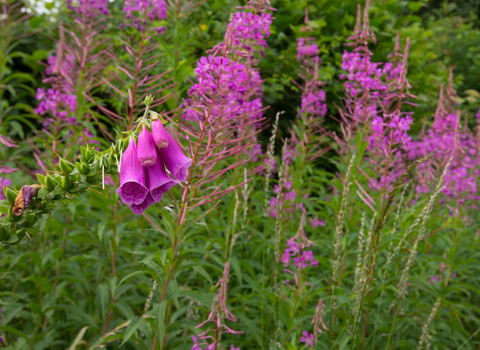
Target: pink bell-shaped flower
159,134
140,208
133,189
147,154
158,181
175,161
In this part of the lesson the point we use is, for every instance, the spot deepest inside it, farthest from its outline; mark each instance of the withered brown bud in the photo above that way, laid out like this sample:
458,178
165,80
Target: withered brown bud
23,198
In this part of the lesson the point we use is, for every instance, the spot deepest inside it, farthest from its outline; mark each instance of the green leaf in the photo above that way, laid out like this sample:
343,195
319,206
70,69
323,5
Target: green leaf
159,313
78,338
131,328
415,6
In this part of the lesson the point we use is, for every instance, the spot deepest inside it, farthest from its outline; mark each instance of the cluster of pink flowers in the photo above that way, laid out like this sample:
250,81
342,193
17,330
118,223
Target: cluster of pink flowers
143,179
313,107
156,9
288,200
219,311
89,8
228,78
60,100
446,139
374,96
140,9
301,258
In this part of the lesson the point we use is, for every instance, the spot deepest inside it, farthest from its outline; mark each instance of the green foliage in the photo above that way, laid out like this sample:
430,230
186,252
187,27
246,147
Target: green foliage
80,271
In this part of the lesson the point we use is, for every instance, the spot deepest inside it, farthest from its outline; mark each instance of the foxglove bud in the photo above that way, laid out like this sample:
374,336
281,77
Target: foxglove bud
132,188
147,154
158,181
159,133
140,208
175,161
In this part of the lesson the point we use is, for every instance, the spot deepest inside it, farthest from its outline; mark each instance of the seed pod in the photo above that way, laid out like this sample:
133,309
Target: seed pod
66,166
57,168
66,183
10,194
50,183
91,178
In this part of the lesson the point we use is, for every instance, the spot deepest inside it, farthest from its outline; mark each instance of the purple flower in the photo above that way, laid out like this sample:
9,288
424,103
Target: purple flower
307,339
234,348
140,208
3,183
90,8
159,133
175,161
315,222
147,154
132,188
158,181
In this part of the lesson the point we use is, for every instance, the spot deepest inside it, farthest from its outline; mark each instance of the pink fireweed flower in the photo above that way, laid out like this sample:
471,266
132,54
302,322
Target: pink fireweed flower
3,183
175,161
147,153
158,181
132,188
140,208
159,134
307,338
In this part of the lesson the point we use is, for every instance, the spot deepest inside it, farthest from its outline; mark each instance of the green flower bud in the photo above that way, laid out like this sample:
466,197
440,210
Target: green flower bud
66,183
66,166
50,183
10,194
57,168
91,178
83,151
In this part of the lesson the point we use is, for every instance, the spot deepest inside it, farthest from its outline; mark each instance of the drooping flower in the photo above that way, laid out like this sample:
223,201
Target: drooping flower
140,208
175,161
147,153
159,133
158,181
132,188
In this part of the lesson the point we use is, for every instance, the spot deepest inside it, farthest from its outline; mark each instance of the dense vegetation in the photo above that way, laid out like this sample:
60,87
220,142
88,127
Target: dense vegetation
228,175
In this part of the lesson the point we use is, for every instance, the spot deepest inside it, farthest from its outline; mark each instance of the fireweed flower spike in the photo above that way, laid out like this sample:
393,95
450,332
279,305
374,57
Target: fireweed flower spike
147,154
175,161
132,188
158,181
